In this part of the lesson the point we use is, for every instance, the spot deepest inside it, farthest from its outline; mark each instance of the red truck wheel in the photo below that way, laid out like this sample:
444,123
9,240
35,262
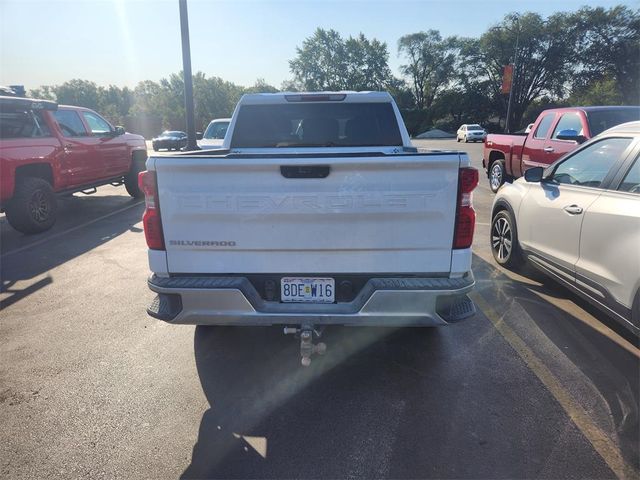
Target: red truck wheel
496,175
131,178
33,206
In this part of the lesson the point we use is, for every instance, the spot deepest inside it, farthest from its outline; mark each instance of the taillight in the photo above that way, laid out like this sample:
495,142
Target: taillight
151,218
465,214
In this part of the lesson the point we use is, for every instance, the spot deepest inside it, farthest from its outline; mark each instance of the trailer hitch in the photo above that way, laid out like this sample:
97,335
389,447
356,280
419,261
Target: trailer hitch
307,347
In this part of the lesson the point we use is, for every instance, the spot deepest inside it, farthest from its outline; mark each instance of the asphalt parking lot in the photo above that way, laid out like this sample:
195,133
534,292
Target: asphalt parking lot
537,384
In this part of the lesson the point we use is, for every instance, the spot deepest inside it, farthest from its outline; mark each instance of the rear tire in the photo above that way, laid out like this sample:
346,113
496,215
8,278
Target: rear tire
635,310
131,178
33,207
504,241
497,175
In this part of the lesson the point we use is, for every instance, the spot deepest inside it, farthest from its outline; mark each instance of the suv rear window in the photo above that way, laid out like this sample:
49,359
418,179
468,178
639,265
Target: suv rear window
18,123
316,124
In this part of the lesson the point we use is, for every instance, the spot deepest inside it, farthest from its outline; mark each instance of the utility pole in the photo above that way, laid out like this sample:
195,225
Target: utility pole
513,79
188,80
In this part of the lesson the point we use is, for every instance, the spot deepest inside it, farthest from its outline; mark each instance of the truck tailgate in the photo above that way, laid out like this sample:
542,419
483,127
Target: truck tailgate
370,214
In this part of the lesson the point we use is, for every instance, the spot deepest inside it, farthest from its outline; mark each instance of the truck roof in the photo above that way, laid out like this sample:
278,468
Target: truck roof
296,97
29,103
593,109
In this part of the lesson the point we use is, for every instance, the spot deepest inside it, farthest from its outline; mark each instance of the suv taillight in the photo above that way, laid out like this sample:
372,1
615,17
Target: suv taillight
151,218
465,214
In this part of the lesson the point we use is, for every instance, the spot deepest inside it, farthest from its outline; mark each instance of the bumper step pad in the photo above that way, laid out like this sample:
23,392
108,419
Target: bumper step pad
456,309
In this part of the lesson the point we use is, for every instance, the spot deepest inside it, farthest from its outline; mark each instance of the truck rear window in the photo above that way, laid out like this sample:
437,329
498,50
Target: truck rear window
316,124
601,120
17,123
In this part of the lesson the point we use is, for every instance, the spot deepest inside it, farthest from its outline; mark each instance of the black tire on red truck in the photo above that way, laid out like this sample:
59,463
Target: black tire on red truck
33,207
131,178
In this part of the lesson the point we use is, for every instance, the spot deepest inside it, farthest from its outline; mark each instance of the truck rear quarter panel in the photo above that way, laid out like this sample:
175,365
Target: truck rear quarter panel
20,152
506,147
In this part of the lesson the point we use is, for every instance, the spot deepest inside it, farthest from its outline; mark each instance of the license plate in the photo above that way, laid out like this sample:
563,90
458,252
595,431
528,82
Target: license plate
309,290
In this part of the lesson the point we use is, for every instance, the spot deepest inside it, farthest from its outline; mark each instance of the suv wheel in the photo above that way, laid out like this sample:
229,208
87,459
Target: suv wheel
33,206
496,175
131,178
504,241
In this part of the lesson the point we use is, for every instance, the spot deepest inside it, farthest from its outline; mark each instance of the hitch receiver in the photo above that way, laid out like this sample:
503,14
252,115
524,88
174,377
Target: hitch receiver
307,347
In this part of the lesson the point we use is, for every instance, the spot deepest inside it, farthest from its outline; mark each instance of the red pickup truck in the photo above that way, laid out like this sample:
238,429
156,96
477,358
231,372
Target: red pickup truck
555,133
46,149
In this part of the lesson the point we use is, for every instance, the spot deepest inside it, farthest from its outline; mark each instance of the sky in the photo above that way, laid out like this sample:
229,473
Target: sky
122,42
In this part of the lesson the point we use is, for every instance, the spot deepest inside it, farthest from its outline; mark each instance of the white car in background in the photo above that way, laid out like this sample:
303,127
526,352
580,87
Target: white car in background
579,222
471,133
214,134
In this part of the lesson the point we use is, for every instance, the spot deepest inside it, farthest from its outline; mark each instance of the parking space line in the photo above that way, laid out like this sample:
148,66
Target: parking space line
64,232
602,444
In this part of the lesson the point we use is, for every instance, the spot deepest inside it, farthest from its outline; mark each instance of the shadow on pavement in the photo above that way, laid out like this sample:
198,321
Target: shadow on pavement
382,403
20,269
253,381
613,371
452,402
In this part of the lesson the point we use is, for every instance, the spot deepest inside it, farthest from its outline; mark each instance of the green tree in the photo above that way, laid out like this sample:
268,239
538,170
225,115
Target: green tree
213,98
544,59
83,93
401,93
45,92
261,86
602,91
609,54
430,64
328,62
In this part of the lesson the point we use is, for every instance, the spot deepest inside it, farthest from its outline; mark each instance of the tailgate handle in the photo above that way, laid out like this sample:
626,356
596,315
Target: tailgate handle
305,171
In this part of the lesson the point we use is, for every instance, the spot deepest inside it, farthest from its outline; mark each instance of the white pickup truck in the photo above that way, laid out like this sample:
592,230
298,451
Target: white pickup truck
316,211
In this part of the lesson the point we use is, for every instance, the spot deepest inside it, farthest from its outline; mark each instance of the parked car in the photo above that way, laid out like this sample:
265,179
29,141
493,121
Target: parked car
46,149
579,222
214,134
471,133
556,132
313,213
170,139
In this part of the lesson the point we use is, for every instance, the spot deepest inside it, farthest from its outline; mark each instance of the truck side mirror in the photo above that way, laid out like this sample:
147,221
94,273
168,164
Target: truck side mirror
199,135
118,131
534,174
570,134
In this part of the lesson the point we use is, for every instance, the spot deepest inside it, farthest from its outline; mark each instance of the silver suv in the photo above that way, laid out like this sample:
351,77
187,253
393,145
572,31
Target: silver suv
579,222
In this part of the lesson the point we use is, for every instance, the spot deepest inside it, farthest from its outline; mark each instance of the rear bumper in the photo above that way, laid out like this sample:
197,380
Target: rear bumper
382,302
